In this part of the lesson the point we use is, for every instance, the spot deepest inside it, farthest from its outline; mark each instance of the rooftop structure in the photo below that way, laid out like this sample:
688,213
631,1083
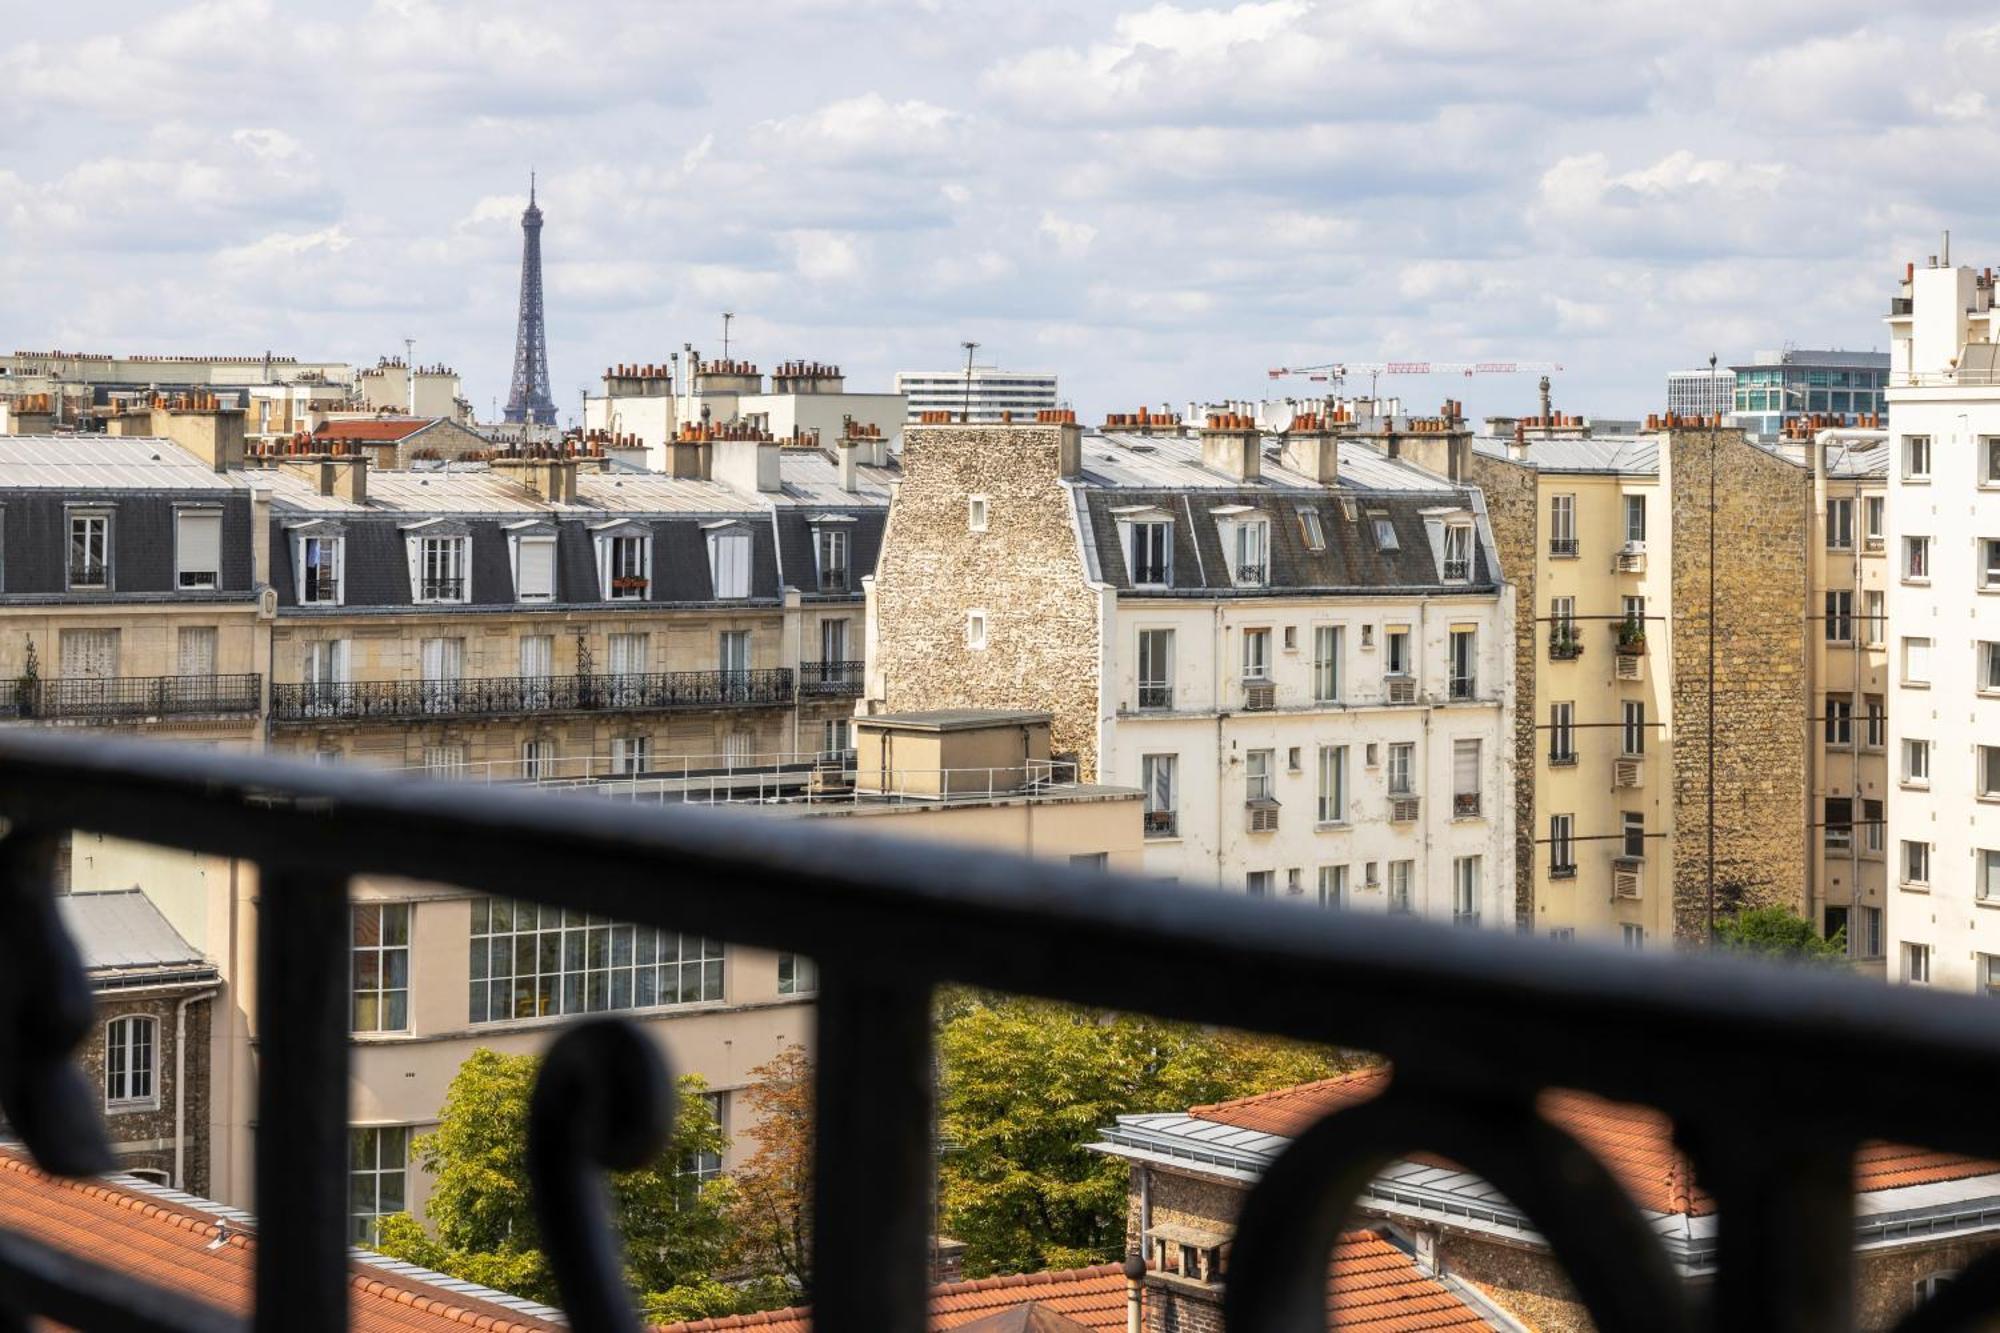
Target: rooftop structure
1779,387
528,400
983,394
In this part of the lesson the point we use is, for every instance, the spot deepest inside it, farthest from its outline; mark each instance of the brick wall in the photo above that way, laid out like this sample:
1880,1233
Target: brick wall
1762,704
1025,571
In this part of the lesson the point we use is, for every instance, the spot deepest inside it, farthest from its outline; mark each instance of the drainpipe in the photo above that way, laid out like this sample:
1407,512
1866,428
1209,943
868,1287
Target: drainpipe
1216,682
180,1082
1135,1270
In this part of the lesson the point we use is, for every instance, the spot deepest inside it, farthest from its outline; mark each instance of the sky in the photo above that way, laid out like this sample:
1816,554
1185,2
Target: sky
1158,202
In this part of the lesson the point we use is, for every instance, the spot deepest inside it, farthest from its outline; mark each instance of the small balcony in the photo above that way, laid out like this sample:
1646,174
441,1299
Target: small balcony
835,581
1259,696
1463,688
441,589
1155,697
1563,548
1251,576
1564,646
130,698
1465,805
501,696
1163,824
830,680
85,577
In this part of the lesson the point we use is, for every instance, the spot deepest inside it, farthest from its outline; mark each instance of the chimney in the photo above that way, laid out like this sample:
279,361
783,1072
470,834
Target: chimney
552,478
1311,447
260,534
200,424
1135,1277
346,476
747,461
1231,444
1548,412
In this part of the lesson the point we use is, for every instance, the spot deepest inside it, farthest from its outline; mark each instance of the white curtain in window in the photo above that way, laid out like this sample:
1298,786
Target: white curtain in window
729,562
197,650
444,659
628,654
1465,767
538,655
88,653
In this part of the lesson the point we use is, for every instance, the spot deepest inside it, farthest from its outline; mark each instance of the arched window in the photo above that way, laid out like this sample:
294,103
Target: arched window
131,1048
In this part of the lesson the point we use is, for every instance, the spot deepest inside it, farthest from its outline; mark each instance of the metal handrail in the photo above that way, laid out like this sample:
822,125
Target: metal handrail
487,696
1754,1065
108,698
831,679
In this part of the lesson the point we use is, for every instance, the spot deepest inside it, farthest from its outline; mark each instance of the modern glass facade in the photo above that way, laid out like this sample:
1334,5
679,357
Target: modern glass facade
1843,385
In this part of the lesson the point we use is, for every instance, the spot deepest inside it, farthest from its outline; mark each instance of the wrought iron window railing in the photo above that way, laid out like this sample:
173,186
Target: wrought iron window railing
1156,694
489,696
89,574
1773,1078
832,680
442,588
110,698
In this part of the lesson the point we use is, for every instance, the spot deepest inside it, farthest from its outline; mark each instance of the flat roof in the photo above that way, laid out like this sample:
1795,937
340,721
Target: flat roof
953,719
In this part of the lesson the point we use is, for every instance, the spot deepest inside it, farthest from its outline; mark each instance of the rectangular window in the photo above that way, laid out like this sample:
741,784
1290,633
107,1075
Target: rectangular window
198,548
1465,778
538,760
1256,654
832,545
1875,733
1916,863
1250,548
1839,616
1562,845
377,1167
1562,619
1987,770
1329,656
836,738
532,961
538,656
1632,729
1395,651
1311,531
975,513
1635,522
1562,525
1916,661
1916,762
1258,776
1839,822
625,573
1464,663
1839,719
1874,616
1159,776
195,650
1989,667
1988,886
87,654
1150,554
1864,939
319,571
1917,964
1989,563
1333,784
1258,883
1632,834
975,630
1562,732
1633,936
1872,818
732,651
1916,559
1457,552
729,562
1402,768
379,974
1333,886
447,760
1873,509
1840,525
89,551
441,569
535,569
1989,455
1385,533
442,662
1465,891
1156,668
1916,458
130,1050
1400,875
631,755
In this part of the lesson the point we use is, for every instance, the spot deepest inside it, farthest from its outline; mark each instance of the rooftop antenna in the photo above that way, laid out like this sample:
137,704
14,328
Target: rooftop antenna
726,317
965,414
1947,248
410,372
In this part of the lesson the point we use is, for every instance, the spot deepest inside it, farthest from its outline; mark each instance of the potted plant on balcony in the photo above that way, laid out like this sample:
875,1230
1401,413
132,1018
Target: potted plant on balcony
27,686
1563,643
1631,636
628,583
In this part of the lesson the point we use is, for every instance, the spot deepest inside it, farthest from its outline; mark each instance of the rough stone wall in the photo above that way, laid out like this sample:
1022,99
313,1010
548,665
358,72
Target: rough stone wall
1025,571
1763,514
1513,507
1528,1285
143,1140
1885,1280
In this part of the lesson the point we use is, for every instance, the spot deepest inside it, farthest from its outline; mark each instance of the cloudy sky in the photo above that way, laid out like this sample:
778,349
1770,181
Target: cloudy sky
1158,202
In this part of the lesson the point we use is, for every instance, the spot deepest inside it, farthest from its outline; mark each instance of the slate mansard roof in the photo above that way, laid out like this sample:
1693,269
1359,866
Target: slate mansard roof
1136,477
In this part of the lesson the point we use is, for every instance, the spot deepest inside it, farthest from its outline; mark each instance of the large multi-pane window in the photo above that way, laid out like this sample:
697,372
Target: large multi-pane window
1333,784
440,571
131,1047
532,961
1159,776
377,1169
1329,649
379,972
1156,668
1150,554
1465,891
1402,766
89,550
797,974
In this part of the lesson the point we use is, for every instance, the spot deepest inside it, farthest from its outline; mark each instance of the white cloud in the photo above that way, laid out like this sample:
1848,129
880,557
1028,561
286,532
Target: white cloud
822,256
865,129
1070,238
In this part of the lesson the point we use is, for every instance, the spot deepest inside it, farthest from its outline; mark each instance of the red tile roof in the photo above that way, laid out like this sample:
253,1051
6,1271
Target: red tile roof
1375,1288
376,430
1635,1142
168,1244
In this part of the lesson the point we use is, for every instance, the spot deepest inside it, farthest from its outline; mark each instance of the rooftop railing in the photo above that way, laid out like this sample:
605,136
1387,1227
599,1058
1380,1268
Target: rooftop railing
495,696
123,698
1773,1078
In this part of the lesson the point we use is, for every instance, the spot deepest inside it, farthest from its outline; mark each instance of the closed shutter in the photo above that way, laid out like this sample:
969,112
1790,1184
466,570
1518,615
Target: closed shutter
89,653
537,561
1465,767
729,563
200,548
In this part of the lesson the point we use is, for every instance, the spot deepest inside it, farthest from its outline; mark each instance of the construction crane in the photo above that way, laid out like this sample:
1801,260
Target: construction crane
1336,372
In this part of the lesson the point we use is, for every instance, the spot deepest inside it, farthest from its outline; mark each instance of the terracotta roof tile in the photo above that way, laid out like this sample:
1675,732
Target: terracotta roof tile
380,430
1634,1142
169,1246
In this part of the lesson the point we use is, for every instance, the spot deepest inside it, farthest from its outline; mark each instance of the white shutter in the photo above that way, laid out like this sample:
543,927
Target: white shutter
200,554
1465,767
603,548
414,548
729,563
535,563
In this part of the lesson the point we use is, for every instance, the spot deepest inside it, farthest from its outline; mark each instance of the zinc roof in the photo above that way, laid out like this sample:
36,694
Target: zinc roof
105,463
1113,459
1628,454
124,930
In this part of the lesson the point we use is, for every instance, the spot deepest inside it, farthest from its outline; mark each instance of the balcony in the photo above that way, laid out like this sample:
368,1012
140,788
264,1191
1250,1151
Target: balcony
1156,697
441,588
503,696
1462,688
1476,1028
1250,576
1163,824
130,698
1465,805
1563,548
830,680
1564,646
1259,695
87,576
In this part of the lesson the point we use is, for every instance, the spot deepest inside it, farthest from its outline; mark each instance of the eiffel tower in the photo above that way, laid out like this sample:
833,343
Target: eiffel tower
528,400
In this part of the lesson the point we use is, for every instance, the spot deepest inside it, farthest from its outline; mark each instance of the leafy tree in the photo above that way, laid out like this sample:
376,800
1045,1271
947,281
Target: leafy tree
1025,1084
482,1225
772,1210
1778,932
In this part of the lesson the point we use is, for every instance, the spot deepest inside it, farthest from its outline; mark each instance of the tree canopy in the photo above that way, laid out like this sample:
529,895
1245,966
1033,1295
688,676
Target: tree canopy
772,1207
1778,932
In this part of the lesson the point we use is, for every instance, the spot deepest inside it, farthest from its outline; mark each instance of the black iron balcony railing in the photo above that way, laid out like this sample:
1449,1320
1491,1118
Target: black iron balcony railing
89,574
491,696
1773,1078
320,587
835,580
442,588
112,698
1155,694
1562,546
831,680
1162,823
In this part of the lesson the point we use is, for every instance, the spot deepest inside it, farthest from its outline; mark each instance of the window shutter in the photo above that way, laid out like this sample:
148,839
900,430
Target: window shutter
413,547
1465,766
536,558
603,569
201,542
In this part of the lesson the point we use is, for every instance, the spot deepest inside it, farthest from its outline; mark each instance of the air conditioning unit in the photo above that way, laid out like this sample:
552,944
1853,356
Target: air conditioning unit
1402,690
1632,560
1264,817
1403,809
1629,668
1259,696
1627,772
1626,876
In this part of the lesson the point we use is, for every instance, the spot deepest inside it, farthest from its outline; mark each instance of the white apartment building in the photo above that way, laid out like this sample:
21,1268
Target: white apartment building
1944,630
981,394
644,407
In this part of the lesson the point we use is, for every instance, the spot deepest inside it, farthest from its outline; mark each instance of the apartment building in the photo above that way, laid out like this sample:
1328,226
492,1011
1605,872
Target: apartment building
979,394
1943,534
1782,388
1297,646
644,406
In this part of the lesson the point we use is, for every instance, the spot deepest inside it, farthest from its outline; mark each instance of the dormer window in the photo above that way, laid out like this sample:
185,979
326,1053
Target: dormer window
533,547
90,550
1457,552
441,565
1246,543
1311,530
198,548
729,560
1149,554
832,543
1385,533
320,565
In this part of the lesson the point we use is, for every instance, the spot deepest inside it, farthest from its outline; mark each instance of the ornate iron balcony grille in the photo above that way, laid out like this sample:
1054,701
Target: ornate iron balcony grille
498,696
1773,1078
89,574
1562,546
831,680
443,588
1156,694
112,698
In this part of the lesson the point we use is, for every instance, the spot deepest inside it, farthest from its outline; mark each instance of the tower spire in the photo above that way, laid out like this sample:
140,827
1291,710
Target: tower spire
528,399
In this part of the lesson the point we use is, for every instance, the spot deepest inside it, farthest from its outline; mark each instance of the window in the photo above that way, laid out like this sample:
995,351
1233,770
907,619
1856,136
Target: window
1875,730
1333,784
1257,775
1916,458
836,738
1916,863
1396,651
1635,522
1988,771
1310,529
130,1048
1333,886
198,548
1989,667
1256,654
627,562
448,760
532,961
1402,765
535,568
89,551
831,545
1926,1287
1917,964
1840,525
1562,525
441,569
538,656
630,755
87,654
1839,616
1156,668
1916,661
1989,563
1987,890
1249,550
1258,883
1864,937
1400,873
975,630
1916,559
1329,654
1149,554
1632,834
1464,663
1839,822
1563,934
1562,733
195,650
1465,891
1159,776
377,1168
1916,762
1632,729
1840,719
1633,936
538,760
797,974
1872,511
1385,533
1874,616
975,513
1871,825
698,1168
1562,846
1465,778
729,562
379,974
1457,552
319,571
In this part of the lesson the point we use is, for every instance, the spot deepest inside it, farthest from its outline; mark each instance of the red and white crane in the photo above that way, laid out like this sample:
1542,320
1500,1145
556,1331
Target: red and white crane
1336,372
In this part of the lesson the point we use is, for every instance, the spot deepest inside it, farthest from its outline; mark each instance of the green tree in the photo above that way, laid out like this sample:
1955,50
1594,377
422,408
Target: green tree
1025,1084
1778,932
772,1206
482,1225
